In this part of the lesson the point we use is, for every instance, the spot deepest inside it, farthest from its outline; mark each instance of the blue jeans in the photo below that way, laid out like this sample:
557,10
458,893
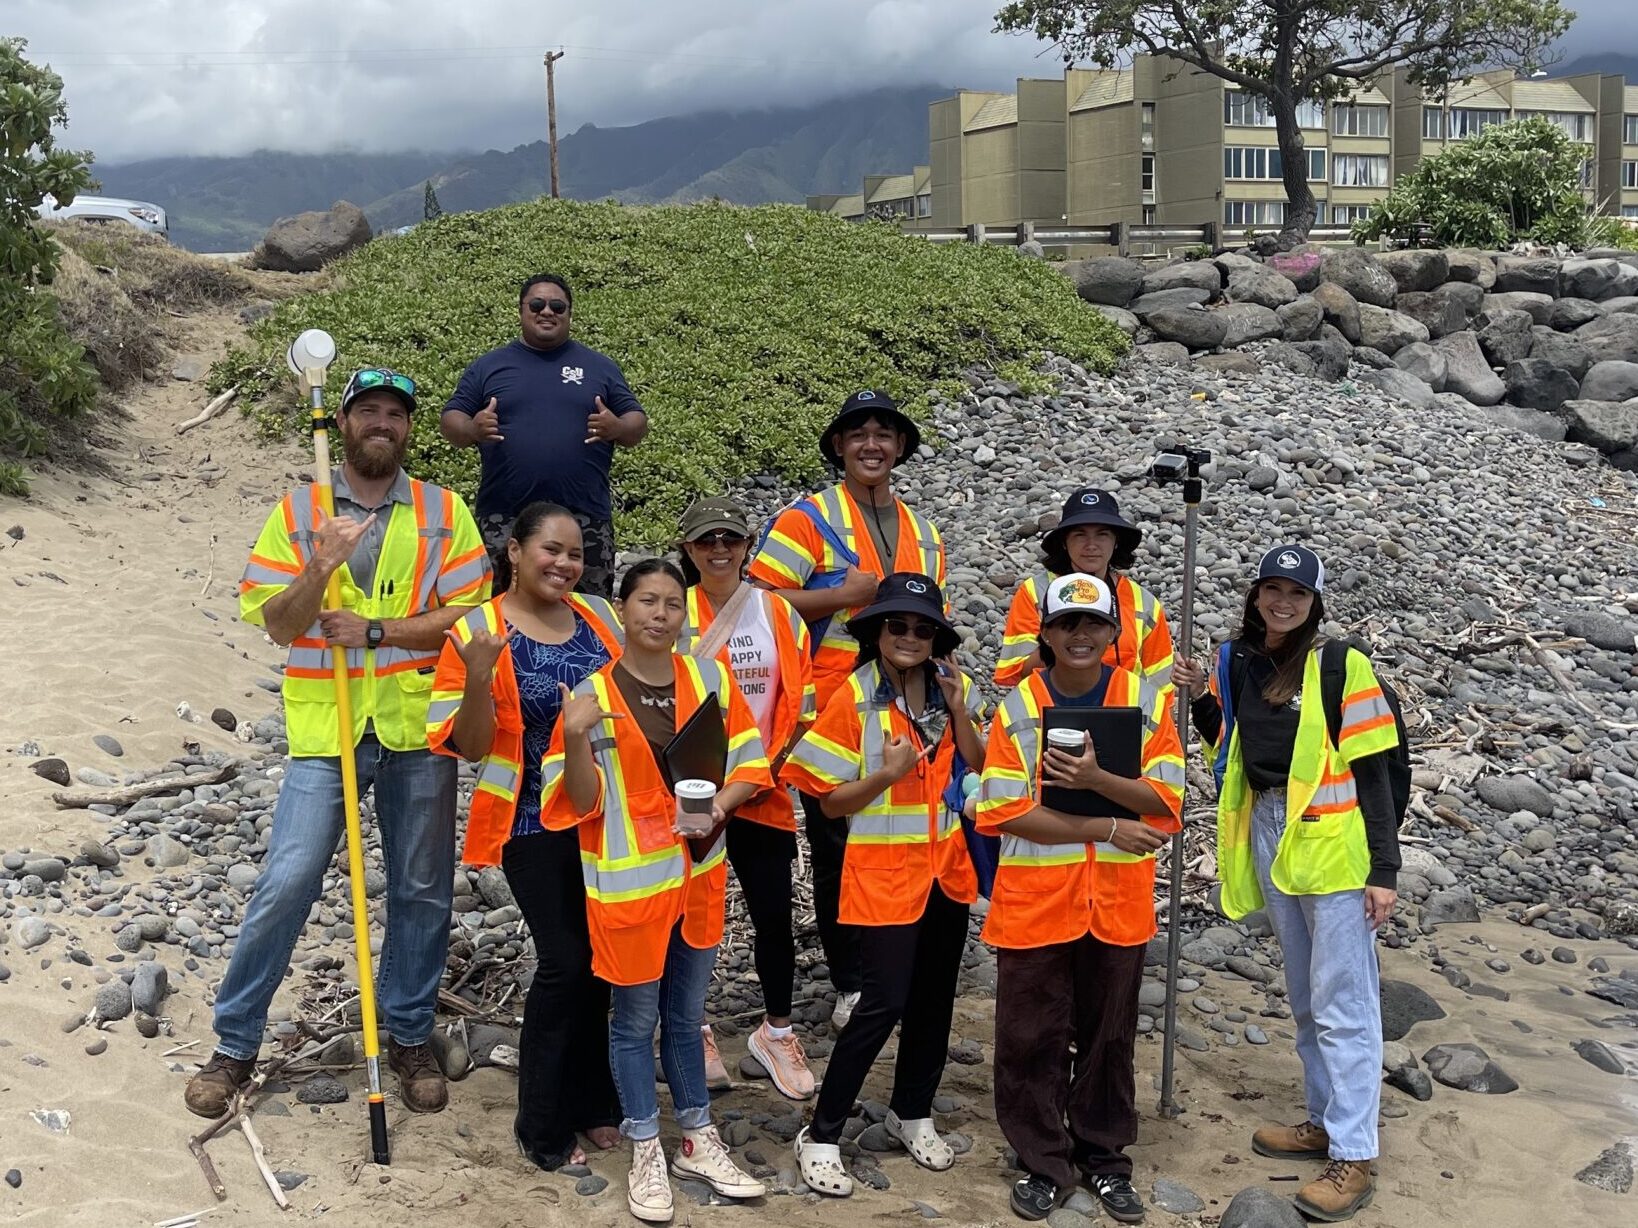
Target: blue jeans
676,1005
1331,983
415,820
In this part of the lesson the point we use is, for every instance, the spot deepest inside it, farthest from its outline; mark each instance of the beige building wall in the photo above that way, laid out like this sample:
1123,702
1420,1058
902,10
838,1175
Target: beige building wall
1189,140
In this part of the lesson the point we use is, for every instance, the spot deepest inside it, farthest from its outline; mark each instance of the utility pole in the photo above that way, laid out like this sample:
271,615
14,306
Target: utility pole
551,114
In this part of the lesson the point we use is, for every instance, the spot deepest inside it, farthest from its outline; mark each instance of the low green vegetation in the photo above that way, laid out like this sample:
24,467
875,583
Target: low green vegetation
741,330
1513,182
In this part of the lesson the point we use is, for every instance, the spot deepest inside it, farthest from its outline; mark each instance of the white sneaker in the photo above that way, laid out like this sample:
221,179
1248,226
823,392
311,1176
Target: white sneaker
843,1010
701,1155
648,1189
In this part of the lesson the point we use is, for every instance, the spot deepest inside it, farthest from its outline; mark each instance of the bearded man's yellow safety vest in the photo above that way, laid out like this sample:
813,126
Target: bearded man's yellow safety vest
432,556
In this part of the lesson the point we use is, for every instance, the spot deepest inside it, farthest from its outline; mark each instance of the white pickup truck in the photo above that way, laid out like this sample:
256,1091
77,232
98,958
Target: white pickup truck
139,213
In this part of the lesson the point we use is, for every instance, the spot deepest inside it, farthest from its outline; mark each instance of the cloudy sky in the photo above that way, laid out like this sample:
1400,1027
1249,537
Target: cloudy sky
227,76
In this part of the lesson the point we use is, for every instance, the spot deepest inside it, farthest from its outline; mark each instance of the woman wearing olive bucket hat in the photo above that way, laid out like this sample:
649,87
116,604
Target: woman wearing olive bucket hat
886,750
1307,831
1093,538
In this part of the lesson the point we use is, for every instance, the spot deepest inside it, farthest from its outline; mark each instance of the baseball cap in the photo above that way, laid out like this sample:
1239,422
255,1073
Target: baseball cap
1295,563
1078,593
382,379
864,404
707,515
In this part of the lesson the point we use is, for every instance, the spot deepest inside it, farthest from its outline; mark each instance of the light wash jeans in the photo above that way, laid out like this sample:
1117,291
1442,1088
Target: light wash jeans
1331,983
415,820
676,1005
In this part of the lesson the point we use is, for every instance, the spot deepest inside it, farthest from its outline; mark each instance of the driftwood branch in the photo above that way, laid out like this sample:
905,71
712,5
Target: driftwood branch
260,1155
148,788
210,411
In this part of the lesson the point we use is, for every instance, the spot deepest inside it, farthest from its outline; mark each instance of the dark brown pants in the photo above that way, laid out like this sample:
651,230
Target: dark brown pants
1064,1110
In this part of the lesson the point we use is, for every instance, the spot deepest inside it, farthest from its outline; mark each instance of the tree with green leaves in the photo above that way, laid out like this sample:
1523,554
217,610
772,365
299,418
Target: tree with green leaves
430,208
1287,52
42,373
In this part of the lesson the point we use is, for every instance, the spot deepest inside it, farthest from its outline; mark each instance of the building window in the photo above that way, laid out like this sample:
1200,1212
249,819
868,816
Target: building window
924,205
1433,124
1470,121
1359,120
1573,124
1359,170
1629,174
1629,129
1316,165
1347,215
1253,212
1148,215
1589,173
1148,122
1629,211
1241,110
1148,172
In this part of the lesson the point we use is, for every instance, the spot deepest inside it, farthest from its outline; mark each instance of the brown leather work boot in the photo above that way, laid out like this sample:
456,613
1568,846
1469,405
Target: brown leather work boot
1343,1188
1303,1142
420,1082
211,1090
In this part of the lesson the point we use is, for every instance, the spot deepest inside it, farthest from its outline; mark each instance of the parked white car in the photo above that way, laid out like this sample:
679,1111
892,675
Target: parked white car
139,213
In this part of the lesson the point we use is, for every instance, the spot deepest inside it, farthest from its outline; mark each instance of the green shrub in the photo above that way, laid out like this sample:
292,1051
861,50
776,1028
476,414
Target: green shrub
1514,181
740,330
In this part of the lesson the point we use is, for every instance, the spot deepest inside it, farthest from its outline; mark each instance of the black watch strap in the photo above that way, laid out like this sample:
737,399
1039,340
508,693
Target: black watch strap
374,633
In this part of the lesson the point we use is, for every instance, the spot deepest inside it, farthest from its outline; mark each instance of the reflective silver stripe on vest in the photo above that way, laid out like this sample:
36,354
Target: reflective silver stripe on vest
257,574
436,535
389,656
440,710
318,659
1017,850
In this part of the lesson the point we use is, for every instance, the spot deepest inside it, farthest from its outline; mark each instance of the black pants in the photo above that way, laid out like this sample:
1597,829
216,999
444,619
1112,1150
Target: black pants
564,1083
1063,1112
910,974
827,841
761,857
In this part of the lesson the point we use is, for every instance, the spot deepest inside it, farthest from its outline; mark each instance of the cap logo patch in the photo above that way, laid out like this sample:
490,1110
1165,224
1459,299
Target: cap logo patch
1079,592
867,395
915,586
1289,560
1090,498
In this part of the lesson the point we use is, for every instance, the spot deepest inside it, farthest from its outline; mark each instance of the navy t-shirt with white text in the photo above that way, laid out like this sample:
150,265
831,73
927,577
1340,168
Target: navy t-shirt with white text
543,398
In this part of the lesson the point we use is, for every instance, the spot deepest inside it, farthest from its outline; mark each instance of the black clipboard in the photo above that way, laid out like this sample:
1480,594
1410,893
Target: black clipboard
699,750
1117,736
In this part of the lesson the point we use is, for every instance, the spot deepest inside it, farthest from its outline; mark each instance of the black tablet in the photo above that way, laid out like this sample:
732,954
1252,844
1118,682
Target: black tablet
699,750
1117,737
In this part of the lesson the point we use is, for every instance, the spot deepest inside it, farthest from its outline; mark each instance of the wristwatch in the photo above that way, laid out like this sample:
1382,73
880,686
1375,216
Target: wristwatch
374,634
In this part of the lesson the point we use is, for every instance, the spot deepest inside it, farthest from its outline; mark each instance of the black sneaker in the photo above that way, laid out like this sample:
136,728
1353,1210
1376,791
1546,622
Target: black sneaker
1034,1197
1118,1197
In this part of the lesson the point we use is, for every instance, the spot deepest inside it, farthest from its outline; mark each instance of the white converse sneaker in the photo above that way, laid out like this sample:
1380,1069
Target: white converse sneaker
701,1155
648,1189
843,1010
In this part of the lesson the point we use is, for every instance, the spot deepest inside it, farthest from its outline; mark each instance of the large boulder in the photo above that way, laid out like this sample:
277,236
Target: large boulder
1536,383
1468,1068
1471,267
1416,268
1326,359
1529,421
1627,304
1569,314
1365,356
1438,312
1259,1207
1540,306
1388,331
1610,338
1169,352
1424,362
1466,372
1248,322
1262,286
1106,279
1603,425
1360,274
1401,385
1536,274
307,242
1118,316
1610,381
1181,296
1597,279
1341,309
1200,274
1191,326
1504,335
1301,266
1560,350
1300,320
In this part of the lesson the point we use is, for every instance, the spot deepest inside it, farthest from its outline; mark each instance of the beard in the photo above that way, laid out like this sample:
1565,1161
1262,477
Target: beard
374,457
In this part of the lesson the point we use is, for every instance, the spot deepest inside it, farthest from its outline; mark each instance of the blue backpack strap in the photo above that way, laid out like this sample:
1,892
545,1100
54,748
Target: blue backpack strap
1225,700
824,579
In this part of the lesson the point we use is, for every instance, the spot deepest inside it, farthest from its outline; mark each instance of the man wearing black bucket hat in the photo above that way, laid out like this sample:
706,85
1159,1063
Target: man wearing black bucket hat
825,555
882,758
1091,537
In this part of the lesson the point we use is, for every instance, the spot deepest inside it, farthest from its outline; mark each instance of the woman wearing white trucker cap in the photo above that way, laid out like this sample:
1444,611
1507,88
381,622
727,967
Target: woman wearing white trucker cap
1306,831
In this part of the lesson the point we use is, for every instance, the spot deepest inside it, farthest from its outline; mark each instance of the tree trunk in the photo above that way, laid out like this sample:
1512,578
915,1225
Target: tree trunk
1300,208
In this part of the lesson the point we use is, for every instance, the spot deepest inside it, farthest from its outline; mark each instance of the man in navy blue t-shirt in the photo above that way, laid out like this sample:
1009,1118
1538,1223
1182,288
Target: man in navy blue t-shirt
545,414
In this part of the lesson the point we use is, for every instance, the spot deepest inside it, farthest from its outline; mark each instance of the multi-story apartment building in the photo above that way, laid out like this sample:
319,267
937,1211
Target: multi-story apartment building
999,158
1618,148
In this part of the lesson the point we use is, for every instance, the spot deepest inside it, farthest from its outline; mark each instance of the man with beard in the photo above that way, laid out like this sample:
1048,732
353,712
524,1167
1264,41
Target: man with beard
546,413
411,563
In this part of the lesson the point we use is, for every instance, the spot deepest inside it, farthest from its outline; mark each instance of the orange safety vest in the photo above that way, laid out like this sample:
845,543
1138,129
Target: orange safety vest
1047,894
640,878
1143,646
500,772
794,706
906,838
795,552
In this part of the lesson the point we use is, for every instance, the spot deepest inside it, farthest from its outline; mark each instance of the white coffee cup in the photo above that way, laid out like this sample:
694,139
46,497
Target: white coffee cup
695,799
1070,741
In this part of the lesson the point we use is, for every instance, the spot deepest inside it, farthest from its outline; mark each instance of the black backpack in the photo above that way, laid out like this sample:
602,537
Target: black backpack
1333,678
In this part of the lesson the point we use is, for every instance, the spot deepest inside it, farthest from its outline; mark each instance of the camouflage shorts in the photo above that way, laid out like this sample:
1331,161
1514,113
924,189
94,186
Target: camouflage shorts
597,542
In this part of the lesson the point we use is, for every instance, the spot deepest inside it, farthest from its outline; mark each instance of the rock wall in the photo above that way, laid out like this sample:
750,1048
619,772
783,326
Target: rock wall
1550,345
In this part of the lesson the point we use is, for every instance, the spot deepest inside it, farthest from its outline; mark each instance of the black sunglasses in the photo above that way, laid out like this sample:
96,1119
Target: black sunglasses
719,537
538,305
903,626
